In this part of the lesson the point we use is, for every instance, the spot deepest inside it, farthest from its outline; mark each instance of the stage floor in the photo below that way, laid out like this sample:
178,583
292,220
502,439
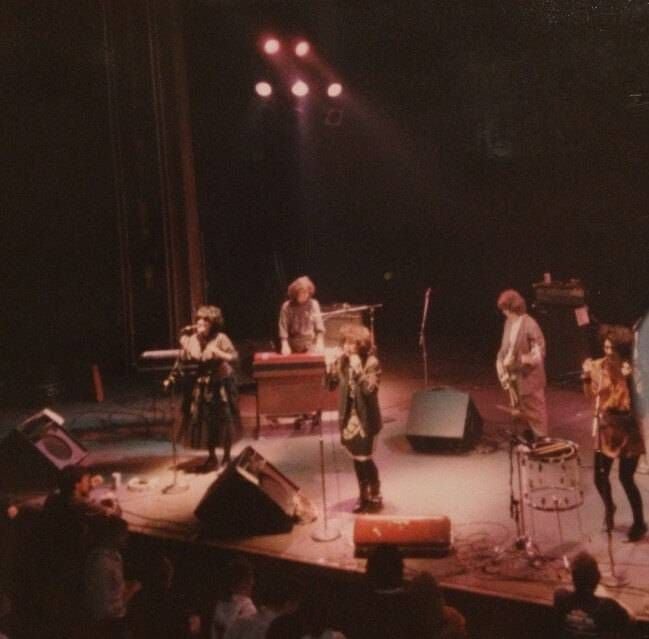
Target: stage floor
471,488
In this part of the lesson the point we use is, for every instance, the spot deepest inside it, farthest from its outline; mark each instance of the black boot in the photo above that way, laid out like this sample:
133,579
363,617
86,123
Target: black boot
362,504
609,518
375,501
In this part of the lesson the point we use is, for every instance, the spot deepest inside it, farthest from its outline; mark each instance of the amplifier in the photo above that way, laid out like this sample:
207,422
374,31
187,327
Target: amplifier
571,293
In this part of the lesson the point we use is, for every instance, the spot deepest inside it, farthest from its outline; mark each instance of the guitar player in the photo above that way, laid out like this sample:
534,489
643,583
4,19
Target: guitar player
520,364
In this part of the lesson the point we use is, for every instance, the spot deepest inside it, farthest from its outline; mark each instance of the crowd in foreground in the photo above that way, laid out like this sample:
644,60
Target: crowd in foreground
66,574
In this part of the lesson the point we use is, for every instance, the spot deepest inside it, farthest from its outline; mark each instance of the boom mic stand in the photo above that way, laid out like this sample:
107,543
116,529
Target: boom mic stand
422,335
176,486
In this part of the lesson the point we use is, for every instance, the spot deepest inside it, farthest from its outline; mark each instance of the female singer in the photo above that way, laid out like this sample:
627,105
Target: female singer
301,328
210,402
615,428
356,373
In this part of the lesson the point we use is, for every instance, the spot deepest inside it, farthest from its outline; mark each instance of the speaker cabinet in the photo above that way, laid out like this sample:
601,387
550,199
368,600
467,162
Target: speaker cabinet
250,497
567,344
36,449
413,536
442,418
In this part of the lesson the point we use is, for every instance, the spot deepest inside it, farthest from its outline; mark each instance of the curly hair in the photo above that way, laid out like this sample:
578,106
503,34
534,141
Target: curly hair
621,339
303,283
358,334
213,315
511,300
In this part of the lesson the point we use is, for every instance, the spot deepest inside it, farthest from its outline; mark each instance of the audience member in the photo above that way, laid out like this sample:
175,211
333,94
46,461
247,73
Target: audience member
312,619
237,602
106,593
581,613
281,597
385,614
430,617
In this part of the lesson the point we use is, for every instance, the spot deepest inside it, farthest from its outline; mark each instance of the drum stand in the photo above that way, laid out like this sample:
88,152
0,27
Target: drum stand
516,506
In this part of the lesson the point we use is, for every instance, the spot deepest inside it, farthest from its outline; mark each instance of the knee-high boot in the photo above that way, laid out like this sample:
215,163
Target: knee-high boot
363,487
375,501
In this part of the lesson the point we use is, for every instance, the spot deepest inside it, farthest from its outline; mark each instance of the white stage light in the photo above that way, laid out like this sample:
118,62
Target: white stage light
334,89
300,88
263,89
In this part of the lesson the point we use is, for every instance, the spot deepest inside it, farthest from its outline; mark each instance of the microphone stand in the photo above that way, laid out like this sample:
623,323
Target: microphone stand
324,532
422,335
175,487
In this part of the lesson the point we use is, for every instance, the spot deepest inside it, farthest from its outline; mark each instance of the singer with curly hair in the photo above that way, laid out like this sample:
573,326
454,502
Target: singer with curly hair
204,370
356,372
615,427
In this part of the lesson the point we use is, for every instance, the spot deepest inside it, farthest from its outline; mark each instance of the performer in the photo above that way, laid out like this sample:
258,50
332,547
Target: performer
301,329
520,363
615,426
210,399
356,372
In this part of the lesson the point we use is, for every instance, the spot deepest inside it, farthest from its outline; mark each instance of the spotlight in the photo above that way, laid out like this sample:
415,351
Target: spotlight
302,48
271,46
334,89
300,88
263,89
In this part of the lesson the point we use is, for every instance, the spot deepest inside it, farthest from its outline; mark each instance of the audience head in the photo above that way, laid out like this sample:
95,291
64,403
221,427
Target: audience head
384,569
75,481
427,602
283,594
240,577
108,530
585,572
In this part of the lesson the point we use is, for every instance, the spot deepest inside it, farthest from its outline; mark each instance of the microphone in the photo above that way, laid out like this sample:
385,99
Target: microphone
188,330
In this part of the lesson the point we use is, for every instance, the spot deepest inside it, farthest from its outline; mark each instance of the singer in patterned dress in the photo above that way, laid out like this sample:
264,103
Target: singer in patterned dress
210,400
520,363
617,434
357,374
301,328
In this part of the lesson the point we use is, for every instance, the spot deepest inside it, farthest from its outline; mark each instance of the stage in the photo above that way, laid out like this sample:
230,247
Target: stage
472,488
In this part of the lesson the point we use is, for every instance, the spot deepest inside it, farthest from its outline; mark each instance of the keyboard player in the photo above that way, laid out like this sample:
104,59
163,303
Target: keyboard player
301,327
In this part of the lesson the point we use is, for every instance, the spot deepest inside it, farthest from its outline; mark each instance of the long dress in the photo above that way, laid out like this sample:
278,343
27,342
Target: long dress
209,404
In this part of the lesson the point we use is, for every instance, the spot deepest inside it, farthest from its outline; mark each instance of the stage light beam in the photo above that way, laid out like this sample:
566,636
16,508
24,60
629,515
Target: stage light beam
300,88
272,46
263,89
334,89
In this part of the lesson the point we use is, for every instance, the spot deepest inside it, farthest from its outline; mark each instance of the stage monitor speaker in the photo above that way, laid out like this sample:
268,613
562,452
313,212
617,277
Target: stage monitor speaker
413,536
39,447
250,497
442,418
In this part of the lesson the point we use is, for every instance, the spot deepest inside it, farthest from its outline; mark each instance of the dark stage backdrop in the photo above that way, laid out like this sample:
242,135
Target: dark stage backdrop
476,148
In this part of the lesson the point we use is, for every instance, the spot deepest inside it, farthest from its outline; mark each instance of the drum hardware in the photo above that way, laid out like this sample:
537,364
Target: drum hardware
548,480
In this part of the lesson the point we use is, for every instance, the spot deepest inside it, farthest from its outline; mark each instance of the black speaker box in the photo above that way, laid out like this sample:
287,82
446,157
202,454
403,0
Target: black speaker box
442,418
35,450
250,497
567,344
